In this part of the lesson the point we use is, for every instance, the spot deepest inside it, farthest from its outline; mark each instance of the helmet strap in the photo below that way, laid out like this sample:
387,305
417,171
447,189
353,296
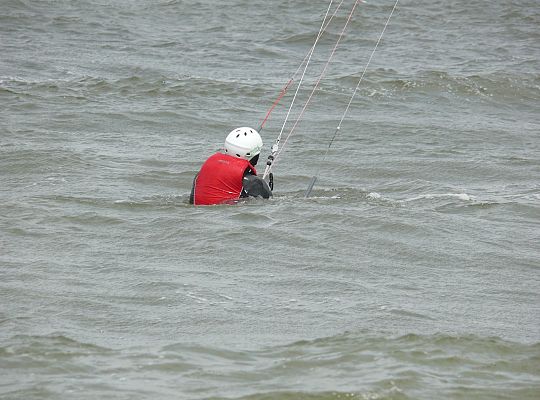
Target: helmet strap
254,160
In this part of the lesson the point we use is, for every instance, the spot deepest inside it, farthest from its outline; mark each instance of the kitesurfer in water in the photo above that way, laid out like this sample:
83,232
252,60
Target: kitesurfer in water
228,176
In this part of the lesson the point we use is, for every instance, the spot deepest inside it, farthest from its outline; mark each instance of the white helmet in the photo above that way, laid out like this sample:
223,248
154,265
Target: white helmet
243,143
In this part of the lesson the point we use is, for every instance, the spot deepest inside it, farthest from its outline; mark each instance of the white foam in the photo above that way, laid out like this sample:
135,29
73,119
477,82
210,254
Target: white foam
459,196
325,197
197,298
374,195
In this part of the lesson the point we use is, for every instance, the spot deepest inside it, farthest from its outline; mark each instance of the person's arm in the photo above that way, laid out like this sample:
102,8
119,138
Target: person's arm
191,196
256,186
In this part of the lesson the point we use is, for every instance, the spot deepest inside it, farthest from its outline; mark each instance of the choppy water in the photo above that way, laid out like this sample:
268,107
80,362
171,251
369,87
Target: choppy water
411,273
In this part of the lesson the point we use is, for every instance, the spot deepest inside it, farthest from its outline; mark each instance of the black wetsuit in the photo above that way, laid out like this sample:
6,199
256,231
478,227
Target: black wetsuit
255,186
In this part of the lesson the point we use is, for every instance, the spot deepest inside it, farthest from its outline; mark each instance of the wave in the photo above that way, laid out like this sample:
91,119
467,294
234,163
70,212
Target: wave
348,365
147,85
348,193
411,195
156,201
20,161
458,196
495,85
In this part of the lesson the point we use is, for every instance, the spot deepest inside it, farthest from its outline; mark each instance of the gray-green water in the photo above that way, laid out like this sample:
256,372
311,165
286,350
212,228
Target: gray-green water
411,273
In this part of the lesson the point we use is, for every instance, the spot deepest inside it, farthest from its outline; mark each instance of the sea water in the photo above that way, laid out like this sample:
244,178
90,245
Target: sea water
411,272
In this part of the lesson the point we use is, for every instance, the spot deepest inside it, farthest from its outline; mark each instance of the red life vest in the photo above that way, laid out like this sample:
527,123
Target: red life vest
220,179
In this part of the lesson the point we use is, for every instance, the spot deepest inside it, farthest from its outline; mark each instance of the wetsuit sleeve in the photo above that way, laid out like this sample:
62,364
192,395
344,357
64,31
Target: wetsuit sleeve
256,186
192,190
